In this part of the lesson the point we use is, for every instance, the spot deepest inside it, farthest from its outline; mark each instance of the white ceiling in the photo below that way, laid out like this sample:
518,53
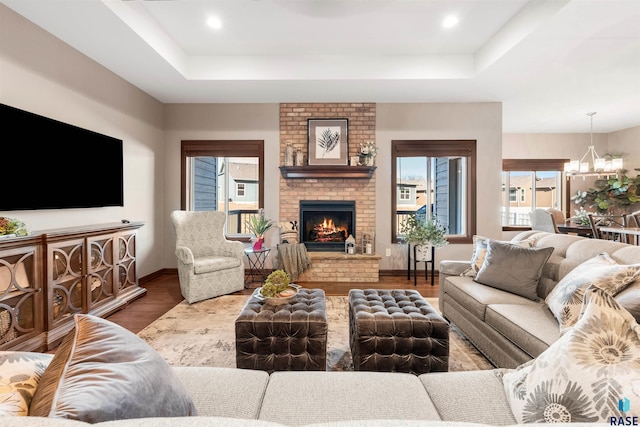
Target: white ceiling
549,62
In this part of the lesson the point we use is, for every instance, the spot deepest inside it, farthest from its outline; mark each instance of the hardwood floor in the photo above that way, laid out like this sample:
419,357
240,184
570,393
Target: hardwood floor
163,293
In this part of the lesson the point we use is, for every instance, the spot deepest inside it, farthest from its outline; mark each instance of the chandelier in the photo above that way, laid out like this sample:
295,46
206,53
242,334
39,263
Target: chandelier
601,166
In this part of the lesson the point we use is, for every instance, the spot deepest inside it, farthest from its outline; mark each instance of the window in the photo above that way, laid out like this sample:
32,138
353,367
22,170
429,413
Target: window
405,193
443,176
240,189
532,183
226,176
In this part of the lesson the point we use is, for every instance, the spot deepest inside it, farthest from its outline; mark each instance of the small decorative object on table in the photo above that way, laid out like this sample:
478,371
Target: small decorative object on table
277,289
258,225
10,227
368,151
581,217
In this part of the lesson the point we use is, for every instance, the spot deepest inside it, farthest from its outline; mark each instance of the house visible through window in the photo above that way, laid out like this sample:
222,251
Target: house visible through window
226,176
434,178
532,184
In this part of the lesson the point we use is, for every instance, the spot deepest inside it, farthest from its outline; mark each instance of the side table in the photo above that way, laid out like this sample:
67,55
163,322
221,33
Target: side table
256,258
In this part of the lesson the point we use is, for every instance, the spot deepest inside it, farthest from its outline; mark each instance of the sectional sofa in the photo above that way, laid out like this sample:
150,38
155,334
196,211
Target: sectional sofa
239,397
511,329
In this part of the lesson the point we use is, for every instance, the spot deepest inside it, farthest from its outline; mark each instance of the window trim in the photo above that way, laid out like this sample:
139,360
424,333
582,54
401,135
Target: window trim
438,148
220,148
538,165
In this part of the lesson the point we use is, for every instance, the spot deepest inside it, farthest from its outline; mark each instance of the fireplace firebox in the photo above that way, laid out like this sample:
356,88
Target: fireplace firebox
326,224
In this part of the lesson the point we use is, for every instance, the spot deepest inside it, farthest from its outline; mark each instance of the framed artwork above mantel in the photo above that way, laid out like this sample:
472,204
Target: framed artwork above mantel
328,142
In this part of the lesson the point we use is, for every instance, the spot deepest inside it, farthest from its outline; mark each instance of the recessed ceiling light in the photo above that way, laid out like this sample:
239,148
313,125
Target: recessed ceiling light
450,21
214,22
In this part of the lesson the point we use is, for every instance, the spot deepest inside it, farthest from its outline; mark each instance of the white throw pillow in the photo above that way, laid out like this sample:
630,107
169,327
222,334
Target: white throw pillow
565,300
480,244
586,374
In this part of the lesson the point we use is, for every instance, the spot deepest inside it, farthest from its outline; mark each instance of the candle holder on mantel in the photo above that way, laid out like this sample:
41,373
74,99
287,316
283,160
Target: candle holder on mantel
350,245
368,243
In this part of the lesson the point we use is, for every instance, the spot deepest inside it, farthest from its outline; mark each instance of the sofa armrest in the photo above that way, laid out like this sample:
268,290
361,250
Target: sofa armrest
184,255
453,268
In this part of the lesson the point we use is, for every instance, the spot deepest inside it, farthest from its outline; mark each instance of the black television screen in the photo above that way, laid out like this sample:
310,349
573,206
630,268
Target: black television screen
47,164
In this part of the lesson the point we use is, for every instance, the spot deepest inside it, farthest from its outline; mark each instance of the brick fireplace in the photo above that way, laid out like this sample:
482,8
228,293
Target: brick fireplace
331,265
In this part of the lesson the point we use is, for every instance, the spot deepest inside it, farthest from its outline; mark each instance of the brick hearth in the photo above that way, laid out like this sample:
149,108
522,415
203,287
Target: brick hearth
338,267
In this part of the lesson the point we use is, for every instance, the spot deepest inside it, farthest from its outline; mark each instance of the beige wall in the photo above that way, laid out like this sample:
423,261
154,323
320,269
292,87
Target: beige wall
39,73
220,122
479,121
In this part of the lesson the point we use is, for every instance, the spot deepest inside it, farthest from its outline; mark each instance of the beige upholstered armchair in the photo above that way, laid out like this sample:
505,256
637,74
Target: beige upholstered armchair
209,265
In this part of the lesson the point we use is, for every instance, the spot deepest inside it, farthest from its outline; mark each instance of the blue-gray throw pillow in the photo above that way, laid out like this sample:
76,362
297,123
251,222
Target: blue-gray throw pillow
103,372
513,268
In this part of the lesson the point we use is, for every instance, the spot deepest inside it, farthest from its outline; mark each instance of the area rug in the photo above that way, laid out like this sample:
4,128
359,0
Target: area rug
203,334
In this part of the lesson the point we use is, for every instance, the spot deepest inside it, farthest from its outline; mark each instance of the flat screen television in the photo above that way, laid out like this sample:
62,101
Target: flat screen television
47,164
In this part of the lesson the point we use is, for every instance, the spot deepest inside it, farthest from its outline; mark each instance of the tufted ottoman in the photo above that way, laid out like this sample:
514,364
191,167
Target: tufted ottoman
396,331
284,337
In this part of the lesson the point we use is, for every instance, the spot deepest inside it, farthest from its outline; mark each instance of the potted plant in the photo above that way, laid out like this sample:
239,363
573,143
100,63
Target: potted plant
368,151
423,234
258,225
616,193
10,227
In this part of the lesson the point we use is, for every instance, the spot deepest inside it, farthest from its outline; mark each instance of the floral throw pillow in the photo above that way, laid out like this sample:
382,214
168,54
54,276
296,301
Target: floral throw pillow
586,373
480,245
20,372
565,300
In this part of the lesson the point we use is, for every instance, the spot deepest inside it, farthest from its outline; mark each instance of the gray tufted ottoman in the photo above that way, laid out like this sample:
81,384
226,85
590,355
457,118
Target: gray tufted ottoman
396,331
284,337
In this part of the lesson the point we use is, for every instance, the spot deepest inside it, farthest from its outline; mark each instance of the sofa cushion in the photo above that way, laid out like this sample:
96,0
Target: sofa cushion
478,395
224,392
531,327
565,301
103,372
475,296
513,268
584,374
209,264
20,373
336,396
190,422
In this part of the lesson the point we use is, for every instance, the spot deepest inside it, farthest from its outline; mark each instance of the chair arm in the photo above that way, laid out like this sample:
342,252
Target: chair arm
184,255
453,268
232,248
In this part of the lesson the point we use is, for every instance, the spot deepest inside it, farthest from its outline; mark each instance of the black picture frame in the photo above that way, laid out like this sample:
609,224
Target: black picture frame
328,142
